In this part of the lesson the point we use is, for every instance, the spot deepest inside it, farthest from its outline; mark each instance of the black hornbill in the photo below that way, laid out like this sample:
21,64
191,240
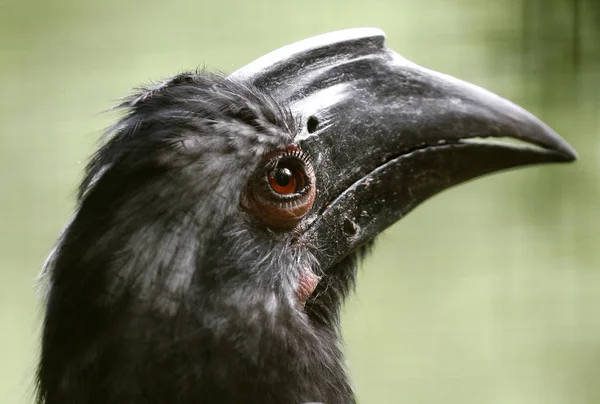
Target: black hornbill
220,224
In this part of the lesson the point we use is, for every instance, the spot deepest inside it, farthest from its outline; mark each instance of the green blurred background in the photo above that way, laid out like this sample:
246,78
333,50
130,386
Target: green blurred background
488,293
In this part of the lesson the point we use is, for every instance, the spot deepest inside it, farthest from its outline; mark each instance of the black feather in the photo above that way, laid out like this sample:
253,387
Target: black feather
162,290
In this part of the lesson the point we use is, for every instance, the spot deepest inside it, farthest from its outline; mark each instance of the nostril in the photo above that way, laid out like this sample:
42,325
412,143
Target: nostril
350,228
312,124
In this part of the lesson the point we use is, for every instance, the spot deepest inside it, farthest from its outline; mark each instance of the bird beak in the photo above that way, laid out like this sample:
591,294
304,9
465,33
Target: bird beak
385,134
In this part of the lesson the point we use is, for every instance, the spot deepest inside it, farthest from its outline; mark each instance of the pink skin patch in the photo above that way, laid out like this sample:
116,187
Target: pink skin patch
306,286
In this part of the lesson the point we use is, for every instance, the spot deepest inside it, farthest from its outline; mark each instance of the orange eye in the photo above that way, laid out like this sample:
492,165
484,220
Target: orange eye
286,180
282,192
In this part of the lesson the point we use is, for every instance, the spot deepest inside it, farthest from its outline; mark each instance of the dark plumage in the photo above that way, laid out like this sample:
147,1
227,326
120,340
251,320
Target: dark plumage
219,226
163,289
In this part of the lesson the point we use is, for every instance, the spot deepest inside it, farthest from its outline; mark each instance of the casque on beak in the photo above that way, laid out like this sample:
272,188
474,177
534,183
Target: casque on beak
385,134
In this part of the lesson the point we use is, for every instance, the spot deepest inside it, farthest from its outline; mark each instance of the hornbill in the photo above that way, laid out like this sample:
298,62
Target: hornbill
220,224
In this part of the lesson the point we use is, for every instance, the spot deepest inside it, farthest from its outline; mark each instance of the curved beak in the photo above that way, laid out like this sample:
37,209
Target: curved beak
385,134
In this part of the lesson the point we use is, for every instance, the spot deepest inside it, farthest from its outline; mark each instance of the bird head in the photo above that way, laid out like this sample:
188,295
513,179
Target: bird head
220,224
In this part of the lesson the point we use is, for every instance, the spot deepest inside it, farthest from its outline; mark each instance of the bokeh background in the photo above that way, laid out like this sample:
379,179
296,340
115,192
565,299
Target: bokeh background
488,293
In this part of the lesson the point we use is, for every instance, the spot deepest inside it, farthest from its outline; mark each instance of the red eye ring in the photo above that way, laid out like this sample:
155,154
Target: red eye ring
282,191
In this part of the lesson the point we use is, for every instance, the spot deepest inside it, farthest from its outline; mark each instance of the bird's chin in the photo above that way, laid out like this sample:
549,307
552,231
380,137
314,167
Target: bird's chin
307,283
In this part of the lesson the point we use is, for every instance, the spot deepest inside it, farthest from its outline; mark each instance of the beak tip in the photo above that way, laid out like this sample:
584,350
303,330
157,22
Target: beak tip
569,153
560,147
534,131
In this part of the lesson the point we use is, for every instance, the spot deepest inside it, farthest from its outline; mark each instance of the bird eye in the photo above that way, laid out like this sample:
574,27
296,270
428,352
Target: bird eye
286,180
282,191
